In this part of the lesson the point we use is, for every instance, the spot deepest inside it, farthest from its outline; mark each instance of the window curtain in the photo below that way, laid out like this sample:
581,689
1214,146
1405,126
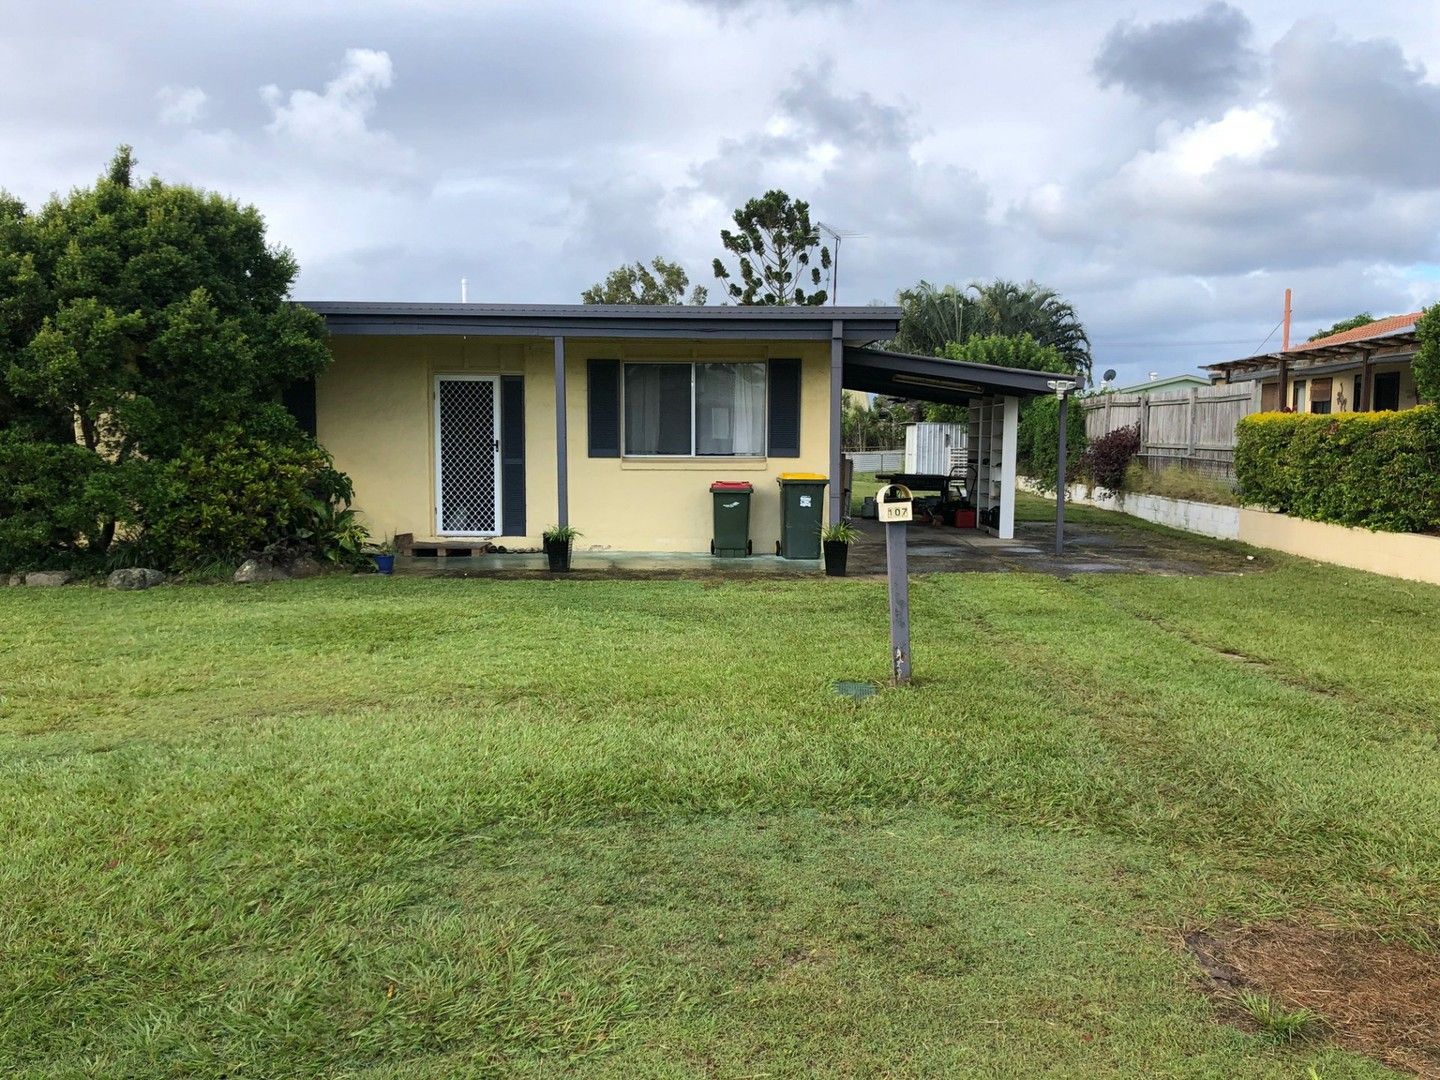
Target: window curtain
730,409
657,409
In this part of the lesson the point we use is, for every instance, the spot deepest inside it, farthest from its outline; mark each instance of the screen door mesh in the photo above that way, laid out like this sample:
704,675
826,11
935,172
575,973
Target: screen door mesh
468,453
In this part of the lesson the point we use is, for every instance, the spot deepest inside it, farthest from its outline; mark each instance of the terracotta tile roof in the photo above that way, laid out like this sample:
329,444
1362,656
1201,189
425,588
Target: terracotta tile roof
1378,328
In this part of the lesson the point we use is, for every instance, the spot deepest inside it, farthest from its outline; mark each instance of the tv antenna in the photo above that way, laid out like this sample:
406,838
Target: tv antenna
836,235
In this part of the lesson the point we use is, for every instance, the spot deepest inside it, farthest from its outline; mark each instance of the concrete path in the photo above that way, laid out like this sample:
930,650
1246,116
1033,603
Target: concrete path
1090,549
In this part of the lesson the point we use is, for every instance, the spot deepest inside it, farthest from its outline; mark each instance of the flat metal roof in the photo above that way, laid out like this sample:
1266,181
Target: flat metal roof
935,378
801,323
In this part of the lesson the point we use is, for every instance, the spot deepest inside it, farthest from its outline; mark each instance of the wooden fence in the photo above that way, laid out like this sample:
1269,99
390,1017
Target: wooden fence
1194,429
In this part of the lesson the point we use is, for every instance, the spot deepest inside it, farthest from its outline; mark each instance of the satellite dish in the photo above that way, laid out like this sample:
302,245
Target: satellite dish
1110,374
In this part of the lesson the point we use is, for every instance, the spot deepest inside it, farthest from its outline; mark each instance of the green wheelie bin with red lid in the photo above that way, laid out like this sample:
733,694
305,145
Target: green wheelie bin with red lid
731,499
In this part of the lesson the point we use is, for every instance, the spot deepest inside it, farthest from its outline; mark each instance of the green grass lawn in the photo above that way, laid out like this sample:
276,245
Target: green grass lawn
425,828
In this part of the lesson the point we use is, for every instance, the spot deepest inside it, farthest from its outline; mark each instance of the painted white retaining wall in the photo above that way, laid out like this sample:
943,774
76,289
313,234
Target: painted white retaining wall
1207,519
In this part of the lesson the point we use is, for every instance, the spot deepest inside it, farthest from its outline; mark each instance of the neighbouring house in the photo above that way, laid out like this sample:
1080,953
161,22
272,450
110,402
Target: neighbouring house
1359,370
466,422
1164,384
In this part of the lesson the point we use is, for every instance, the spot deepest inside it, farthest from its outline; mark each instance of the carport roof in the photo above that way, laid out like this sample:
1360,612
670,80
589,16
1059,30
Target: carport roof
935,378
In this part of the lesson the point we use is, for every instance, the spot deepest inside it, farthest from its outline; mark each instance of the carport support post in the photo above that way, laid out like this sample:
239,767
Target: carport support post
562,469
897,573
1060,473
837,375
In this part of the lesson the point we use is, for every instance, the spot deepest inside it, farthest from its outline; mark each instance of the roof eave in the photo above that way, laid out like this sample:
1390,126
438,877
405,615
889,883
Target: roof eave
1377,346
857,324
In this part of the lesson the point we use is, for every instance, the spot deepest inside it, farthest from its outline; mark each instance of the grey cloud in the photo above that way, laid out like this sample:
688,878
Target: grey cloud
1355,108
1197,60
615,219
531,147
857,119
736,7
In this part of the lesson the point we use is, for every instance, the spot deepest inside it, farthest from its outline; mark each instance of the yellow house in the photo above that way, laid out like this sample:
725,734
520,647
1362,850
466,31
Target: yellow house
463,424
1363,369
469,422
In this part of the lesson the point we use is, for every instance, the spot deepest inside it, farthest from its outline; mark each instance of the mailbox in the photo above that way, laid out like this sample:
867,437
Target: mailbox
894,503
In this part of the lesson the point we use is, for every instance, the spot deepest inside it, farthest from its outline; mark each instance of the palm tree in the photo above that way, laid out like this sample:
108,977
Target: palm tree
934,316
1042,313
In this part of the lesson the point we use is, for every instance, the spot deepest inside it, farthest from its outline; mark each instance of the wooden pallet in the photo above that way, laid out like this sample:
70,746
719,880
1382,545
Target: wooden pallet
405,544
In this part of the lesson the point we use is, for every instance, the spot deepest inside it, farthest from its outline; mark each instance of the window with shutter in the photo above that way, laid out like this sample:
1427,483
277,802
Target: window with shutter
784,408
603,406
512,454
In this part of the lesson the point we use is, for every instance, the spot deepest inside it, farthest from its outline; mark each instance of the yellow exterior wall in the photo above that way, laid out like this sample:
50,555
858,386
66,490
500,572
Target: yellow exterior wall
1413,556
1345,385
375,414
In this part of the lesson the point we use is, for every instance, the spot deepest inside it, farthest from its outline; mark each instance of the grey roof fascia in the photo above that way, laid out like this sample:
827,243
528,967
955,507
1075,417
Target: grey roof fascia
860,324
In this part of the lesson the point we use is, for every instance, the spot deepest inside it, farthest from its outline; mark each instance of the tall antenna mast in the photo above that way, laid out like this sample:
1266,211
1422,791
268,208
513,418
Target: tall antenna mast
837,235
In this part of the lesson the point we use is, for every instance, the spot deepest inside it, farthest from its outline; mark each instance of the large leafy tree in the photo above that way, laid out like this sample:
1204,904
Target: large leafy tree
1352,323
876,425
1001,350
661,282
135,319
774,245
935,316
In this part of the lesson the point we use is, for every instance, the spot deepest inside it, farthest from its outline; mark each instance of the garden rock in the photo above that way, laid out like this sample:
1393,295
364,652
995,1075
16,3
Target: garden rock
15,579
258,571
303,567
134,577
44,578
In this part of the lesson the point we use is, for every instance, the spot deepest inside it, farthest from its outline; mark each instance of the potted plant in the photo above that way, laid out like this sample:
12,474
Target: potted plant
836,540
383,554
558,540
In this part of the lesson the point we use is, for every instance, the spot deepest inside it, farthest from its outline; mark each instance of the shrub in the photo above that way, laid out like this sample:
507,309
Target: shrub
49,501
136,318
1038,439
1376,470
232,495
1426,365
1107,458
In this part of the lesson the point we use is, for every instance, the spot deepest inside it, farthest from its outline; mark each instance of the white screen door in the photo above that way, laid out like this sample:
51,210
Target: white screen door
467,455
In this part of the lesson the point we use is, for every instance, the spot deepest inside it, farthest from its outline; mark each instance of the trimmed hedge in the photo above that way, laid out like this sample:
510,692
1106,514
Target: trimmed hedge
1375,470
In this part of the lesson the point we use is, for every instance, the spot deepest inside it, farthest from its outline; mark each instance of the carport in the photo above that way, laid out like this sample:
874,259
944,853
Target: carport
992,396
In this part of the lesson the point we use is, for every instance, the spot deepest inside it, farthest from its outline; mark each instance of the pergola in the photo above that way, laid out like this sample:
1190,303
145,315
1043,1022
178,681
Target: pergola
1321,360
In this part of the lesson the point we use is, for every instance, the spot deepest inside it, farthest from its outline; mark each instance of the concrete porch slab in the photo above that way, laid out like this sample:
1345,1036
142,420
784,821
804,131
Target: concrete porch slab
1089,549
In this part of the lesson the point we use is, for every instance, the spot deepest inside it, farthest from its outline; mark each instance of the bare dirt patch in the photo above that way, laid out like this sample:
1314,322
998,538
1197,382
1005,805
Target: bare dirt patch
1378,998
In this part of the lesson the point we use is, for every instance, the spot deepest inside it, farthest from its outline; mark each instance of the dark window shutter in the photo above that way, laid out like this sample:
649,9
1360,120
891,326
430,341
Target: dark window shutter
784,408
299,401
603,396
512,455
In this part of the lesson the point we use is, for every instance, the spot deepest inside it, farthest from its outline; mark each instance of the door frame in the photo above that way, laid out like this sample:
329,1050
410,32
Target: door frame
494,380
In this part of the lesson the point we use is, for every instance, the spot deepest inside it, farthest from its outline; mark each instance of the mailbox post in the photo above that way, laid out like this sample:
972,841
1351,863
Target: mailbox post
895,507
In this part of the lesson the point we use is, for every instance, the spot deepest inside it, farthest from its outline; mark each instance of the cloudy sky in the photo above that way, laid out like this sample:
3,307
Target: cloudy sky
1170,167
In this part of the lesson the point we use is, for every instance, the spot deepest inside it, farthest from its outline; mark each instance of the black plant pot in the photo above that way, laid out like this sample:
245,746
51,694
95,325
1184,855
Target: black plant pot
836,553
558,554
